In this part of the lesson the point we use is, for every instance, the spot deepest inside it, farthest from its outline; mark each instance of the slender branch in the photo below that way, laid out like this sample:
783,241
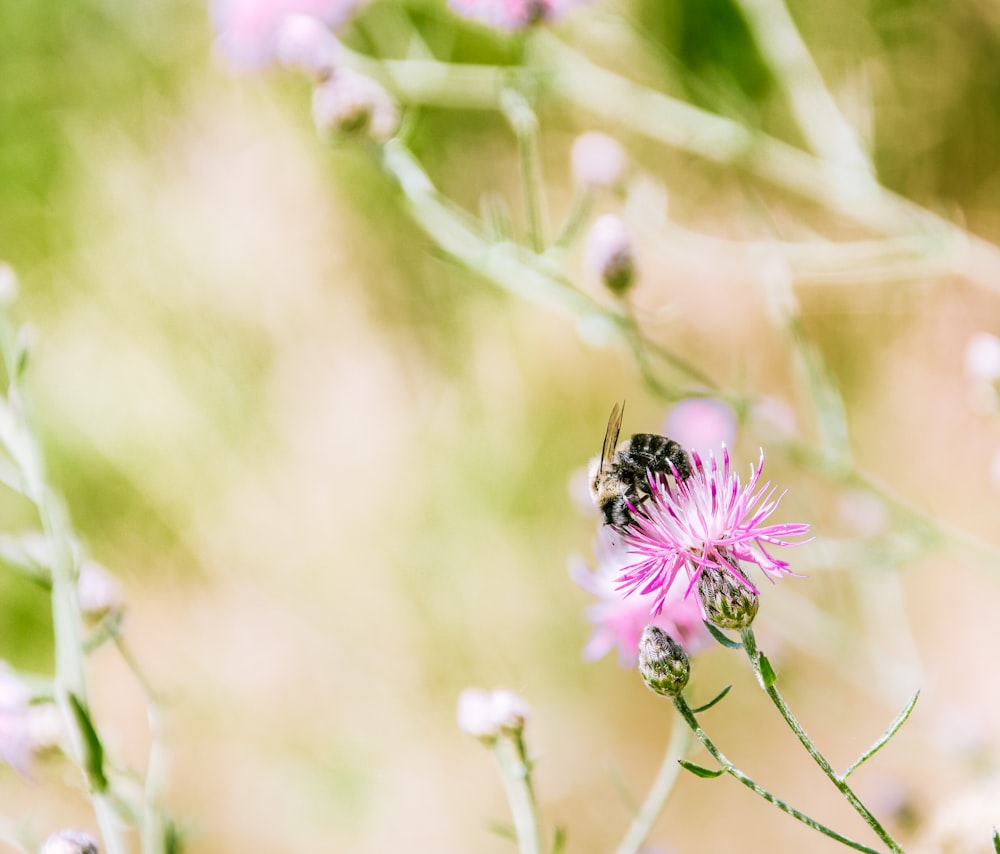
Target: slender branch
515,771
685,712
750,646
818,116
651,808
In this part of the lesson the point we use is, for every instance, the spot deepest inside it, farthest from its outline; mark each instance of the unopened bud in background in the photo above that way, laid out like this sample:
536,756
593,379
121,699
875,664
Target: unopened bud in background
727,602
306,43
663,664
70,842
597,160
489,714
608,253
351,104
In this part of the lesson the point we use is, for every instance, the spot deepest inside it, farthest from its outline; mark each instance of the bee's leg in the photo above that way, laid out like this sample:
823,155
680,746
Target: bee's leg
616,513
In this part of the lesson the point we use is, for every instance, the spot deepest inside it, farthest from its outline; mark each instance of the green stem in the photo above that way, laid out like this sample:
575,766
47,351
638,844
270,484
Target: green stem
816,112
651,808
515,772
685,712
750,645
70,678
524,122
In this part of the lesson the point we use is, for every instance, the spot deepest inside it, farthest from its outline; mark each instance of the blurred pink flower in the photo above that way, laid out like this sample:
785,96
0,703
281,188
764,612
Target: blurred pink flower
597,160
708,519
15,736
512,14
248,29
619,620
701,424
488,714
982,357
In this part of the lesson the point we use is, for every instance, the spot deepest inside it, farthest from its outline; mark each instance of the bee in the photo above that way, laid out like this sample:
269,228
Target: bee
621,475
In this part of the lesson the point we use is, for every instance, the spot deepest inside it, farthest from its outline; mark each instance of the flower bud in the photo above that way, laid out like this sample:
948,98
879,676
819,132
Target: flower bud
728,603
597,160
306,43
663,664
609,255
352,104
489,714
70,842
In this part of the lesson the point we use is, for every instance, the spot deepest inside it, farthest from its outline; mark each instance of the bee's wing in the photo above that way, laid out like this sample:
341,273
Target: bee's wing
611,435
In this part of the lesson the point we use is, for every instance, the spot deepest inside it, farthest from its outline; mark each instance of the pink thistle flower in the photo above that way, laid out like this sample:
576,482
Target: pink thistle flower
512,14
701,424
619,620
707,520
15,742
249,29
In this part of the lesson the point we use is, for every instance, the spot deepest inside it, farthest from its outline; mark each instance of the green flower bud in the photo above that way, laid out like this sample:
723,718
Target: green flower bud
728,603
663,664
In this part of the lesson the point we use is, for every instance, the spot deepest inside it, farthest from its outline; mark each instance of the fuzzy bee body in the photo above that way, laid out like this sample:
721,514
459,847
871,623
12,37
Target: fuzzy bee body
621,475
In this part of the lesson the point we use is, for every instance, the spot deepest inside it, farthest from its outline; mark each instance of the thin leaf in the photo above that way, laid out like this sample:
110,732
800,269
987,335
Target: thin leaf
699,771
711,702
93,750
996,841
28,554
559,840
882,739
767,675
504,831
721,638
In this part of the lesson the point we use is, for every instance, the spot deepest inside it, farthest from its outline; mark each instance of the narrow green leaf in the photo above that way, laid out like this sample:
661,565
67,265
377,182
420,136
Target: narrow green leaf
504,831
712,702
884,738
767,674
93,750
996,841
699,771
559,840
721,638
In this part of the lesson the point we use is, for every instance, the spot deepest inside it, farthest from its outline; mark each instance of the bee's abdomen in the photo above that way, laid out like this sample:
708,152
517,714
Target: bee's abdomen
656,453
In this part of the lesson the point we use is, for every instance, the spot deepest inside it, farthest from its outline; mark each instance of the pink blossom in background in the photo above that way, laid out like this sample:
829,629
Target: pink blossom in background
701,424
15,736
597,160
619,620
248,29
708,519
982,357
512,14
487,714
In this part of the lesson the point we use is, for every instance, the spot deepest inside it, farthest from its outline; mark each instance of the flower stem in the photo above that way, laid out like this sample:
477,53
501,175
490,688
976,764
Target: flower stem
524,122
515,771
651,808
750,645
685,712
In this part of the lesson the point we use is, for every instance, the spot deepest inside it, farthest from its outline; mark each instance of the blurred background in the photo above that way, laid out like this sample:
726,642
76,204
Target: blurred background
332,468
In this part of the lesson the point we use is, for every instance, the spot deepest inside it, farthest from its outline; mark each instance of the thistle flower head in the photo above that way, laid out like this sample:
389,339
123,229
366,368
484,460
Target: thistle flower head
248,30
708,520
